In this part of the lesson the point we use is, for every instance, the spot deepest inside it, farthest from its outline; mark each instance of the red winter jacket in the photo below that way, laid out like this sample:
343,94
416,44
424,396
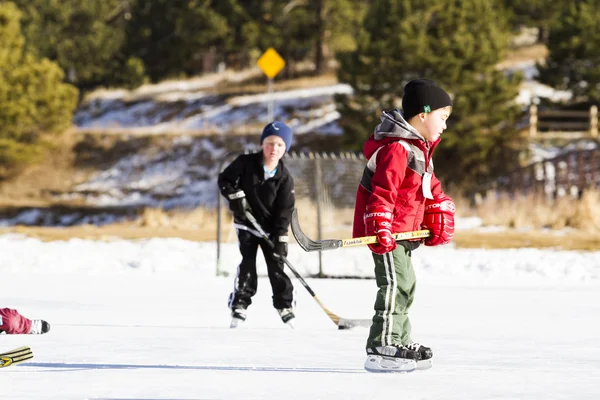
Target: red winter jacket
13,323
396,175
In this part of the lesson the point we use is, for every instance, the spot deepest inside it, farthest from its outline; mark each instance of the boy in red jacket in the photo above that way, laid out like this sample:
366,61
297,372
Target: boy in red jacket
397,193
13,323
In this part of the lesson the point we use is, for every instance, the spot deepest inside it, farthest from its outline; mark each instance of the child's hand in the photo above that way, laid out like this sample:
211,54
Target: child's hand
281,246
378,222
238,204
439,219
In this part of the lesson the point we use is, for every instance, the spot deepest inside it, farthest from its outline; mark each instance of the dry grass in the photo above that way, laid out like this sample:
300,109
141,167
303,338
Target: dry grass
278,85
511,238
536,52
196,225
469,239
529,222
108,233
514,239
538,213
56,172
534,221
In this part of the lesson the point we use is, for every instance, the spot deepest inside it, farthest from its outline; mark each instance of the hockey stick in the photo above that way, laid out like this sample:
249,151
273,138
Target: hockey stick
342,323
308,244
15,356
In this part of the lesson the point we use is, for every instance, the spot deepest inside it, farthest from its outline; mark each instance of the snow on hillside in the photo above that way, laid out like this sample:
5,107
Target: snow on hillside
183,174
186,111
190,105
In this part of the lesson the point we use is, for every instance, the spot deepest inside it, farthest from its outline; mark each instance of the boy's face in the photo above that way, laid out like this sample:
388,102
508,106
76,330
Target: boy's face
273,148
434,123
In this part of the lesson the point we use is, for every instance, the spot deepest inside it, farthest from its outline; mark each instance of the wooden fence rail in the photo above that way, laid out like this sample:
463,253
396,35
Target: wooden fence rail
570,124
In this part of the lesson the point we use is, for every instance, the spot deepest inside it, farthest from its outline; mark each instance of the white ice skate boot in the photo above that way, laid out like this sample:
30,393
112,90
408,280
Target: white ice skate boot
395,358
39,327
424,353
238,316
287,316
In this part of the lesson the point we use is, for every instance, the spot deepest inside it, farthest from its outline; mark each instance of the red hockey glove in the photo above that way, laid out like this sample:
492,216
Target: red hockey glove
439,219
378,222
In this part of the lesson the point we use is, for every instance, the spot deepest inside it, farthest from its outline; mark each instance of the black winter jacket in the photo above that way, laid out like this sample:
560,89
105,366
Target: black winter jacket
271,201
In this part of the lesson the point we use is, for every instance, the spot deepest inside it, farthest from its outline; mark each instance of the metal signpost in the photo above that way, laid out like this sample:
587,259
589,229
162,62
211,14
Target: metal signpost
271,63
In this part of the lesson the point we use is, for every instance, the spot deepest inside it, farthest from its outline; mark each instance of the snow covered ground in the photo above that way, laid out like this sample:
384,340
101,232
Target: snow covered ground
148,320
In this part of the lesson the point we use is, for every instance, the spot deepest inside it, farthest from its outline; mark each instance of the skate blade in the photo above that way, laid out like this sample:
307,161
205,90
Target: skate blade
424,364
290,323
235,322
389,364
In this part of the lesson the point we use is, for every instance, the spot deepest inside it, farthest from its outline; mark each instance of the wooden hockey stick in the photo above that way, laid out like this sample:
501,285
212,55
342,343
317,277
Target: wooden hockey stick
308,244
342,323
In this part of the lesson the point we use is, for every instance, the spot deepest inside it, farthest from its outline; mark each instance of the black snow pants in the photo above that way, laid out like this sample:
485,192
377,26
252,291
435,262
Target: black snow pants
246,282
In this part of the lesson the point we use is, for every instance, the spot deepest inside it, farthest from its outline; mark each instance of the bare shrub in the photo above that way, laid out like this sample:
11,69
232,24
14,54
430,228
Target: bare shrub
538,212
197,219
587,213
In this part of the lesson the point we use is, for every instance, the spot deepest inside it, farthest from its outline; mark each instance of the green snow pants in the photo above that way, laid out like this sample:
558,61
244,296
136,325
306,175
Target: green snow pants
396,280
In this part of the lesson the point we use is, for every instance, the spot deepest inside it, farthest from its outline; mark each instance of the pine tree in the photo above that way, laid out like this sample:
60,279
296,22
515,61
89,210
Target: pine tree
35,102
467,40
457,43
334,23
300,30
573,62
535,13
377,70
167,34
85,38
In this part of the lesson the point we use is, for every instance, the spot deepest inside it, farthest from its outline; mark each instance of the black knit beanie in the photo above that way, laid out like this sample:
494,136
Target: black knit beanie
423,95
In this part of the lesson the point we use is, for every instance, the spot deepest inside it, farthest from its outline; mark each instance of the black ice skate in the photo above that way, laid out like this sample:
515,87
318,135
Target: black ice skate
425,355
39,327
394,358
287,316
238,315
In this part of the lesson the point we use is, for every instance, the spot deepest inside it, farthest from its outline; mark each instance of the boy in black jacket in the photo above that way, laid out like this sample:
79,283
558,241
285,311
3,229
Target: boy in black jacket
261,184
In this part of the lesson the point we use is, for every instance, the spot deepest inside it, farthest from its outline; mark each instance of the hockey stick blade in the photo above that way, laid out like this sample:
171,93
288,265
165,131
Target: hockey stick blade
345,323
15,356
342,323
307,244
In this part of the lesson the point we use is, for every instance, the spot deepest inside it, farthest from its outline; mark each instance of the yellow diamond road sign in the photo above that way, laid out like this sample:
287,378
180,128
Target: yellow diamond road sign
271,62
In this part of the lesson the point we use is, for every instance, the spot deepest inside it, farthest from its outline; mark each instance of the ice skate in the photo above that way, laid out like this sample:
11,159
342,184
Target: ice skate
238,316
287,316
39,327
396,358
424,353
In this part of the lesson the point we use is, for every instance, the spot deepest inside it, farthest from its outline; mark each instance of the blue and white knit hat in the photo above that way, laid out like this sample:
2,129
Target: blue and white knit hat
278,128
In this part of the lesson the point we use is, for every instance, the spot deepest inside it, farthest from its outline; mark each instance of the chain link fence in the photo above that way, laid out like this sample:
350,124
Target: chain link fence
325,185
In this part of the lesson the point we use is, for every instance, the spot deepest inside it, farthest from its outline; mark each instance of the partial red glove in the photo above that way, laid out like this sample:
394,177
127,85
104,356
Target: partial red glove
378,222
439,219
